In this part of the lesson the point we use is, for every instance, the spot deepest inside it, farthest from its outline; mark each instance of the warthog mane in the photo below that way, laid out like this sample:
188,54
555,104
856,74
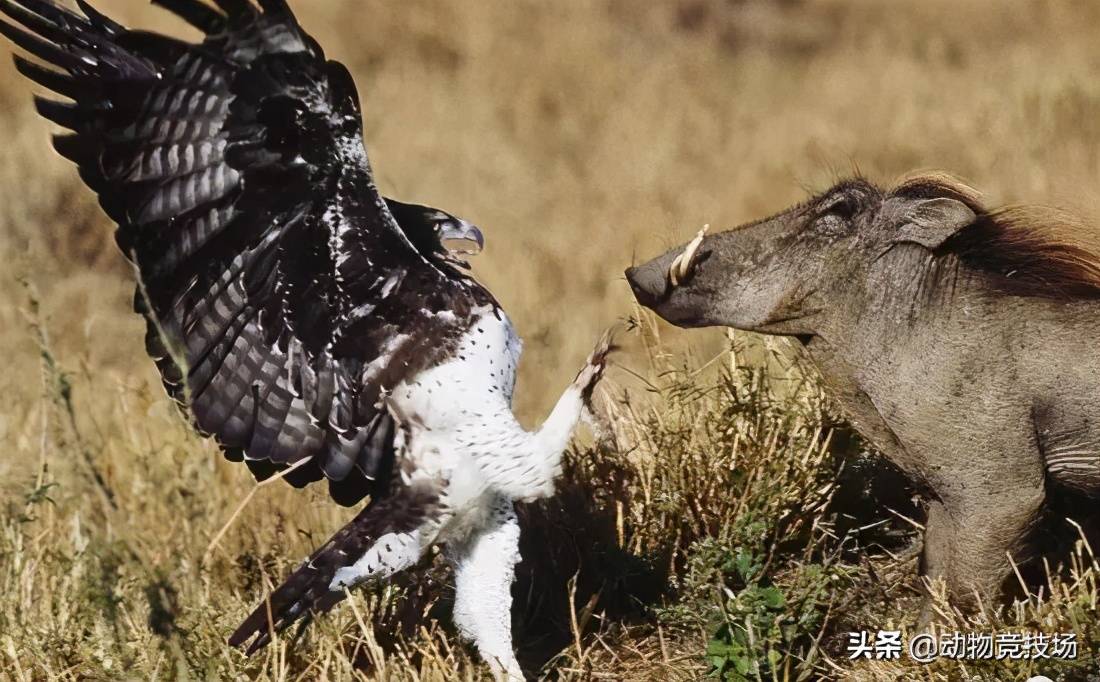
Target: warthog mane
1030,250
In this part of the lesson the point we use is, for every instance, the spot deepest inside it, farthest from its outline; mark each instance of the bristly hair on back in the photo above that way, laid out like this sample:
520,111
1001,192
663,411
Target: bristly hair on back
1028,250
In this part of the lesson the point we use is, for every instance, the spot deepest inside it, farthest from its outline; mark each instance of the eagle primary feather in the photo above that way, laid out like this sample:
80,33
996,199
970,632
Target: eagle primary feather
288,311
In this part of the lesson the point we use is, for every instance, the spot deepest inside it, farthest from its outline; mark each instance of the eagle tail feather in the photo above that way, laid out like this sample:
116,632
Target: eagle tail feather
382,540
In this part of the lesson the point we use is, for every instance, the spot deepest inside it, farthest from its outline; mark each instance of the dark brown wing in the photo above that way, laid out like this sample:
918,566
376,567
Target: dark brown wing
282,298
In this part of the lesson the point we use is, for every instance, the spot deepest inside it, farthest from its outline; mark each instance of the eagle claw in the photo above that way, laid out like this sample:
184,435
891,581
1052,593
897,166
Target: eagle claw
593,370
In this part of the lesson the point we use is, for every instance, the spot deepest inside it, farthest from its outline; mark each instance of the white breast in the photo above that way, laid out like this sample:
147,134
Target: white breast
480,375
454,406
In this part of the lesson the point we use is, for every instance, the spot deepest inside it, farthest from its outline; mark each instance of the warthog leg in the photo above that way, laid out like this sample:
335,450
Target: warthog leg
968,542
935,560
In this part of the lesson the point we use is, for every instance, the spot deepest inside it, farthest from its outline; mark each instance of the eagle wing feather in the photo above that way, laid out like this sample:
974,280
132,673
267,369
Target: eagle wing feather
281,296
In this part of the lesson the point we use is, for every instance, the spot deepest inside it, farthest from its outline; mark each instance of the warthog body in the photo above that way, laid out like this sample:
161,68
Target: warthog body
963,343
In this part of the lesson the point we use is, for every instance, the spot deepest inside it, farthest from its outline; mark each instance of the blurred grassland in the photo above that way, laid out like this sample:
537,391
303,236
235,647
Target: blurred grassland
584,134
580,135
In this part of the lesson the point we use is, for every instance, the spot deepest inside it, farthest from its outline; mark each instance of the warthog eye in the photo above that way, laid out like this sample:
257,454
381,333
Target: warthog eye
840,207
835,216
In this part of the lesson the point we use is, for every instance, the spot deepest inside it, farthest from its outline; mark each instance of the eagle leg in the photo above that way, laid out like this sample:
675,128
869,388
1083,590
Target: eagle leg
484,566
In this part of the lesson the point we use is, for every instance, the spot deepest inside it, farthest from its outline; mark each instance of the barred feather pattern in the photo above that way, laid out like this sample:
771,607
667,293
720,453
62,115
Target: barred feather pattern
281,296
299,323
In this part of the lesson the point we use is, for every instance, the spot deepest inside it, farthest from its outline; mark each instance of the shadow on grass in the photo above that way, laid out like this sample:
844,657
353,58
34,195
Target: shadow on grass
574,549
572,554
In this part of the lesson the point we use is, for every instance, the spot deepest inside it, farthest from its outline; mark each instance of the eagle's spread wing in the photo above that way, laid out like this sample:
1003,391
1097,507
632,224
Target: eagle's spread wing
282,297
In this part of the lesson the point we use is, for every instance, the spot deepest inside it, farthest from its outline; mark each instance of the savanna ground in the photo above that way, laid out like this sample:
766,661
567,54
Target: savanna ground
728,523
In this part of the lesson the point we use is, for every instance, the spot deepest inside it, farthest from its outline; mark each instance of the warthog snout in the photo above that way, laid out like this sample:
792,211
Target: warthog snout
649,283
654,281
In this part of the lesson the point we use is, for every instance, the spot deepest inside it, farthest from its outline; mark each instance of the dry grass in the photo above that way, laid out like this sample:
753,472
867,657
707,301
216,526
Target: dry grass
576,134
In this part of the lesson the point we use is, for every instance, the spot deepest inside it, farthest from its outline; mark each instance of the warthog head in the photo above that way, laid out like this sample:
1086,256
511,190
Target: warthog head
786,274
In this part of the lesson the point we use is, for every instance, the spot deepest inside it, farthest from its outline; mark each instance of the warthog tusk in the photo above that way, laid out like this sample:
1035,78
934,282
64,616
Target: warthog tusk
681,267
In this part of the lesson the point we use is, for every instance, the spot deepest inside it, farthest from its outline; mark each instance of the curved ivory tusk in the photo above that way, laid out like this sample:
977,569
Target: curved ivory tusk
681,267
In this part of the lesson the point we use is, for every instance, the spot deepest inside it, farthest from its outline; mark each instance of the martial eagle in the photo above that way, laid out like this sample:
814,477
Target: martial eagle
311,326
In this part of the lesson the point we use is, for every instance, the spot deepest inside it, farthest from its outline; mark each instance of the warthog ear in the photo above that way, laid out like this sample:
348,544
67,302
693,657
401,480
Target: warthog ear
930,222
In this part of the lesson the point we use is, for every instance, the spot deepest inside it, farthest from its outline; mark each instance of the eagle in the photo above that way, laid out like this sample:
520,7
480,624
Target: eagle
314,328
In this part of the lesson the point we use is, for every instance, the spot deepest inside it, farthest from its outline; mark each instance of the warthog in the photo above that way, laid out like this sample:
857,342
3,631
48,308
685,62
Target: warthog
961,341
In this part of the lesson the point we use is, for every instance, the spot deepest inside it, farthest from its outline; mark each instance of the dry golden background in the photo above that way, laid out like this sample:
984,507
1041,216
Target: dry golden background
584,134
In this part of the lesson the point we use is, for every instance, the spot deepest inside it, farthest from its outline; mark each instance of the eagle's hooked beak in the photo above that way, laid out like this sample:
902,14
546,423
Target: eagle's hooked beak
460,237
